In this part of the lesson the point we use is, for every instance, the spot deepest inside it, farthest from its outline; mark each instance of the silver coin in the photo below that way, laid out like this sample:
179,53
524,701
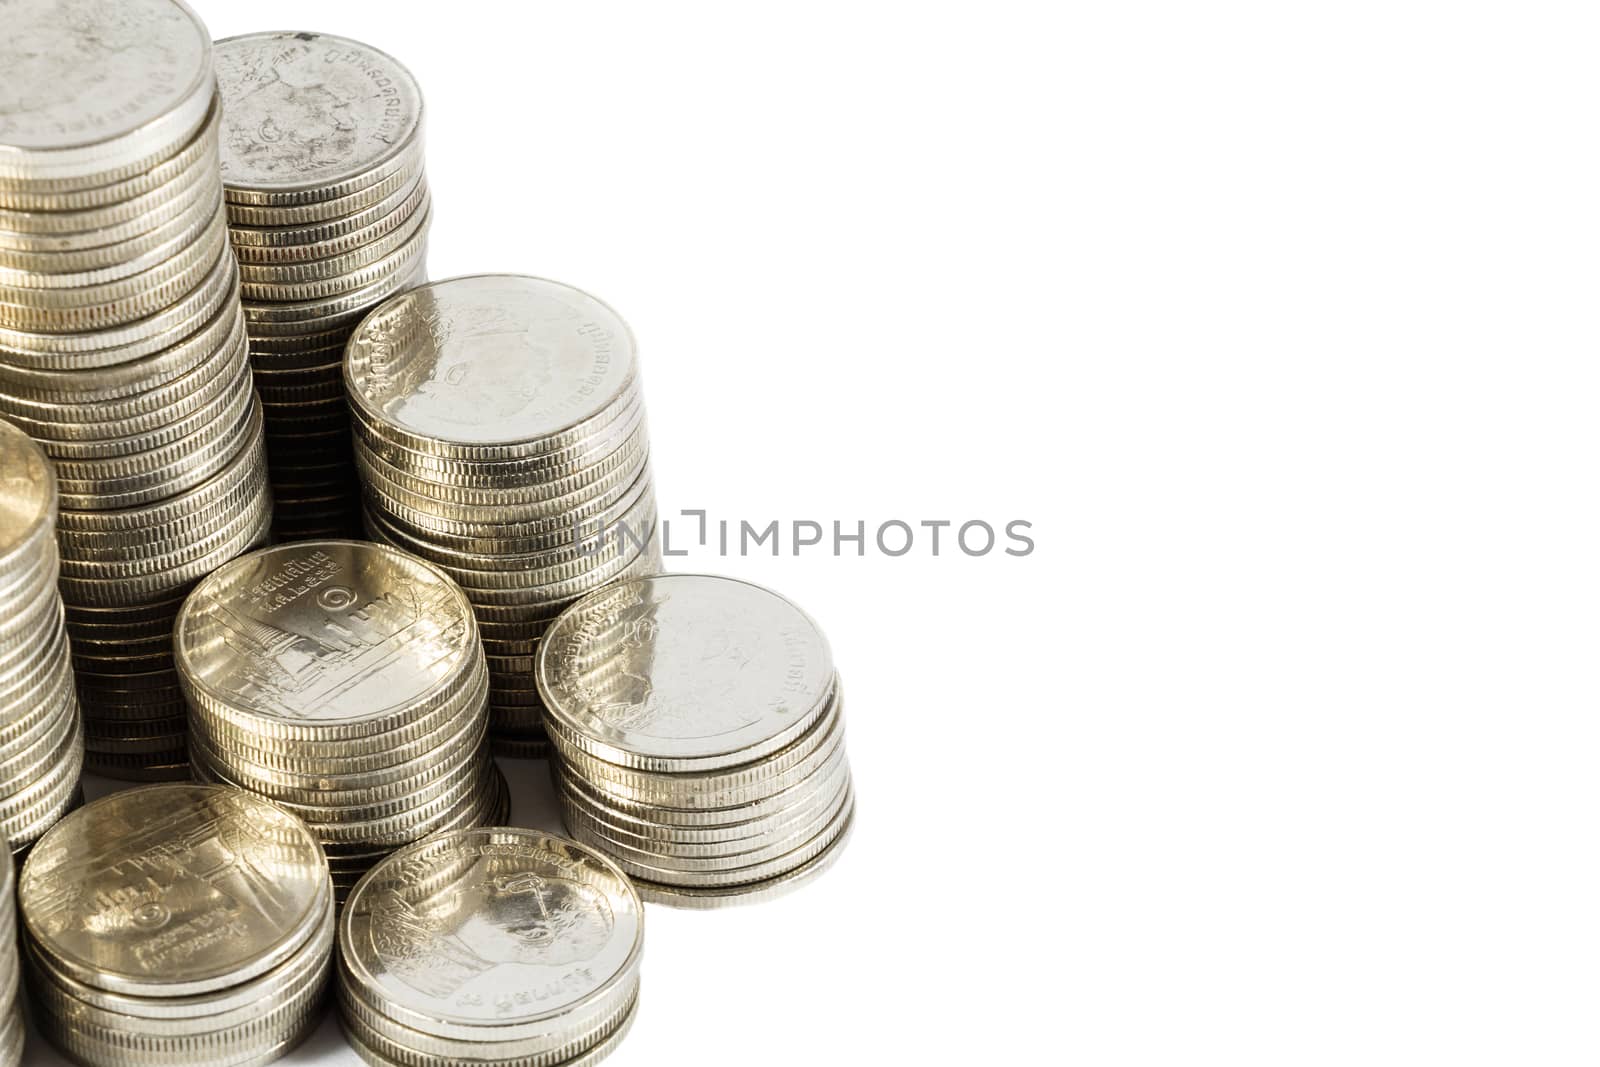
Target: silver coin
336,636
345,109
446,933
69,198
105,891
114,88
27,498
684,673
488,360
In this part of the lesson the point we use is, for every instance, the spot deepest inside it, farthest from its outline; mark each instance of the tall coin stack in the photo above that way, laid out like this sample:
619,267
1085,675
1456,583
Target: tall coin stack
177,924
343,680
41,736
491,946
122,345
328,210
701,745
500,433
12,1031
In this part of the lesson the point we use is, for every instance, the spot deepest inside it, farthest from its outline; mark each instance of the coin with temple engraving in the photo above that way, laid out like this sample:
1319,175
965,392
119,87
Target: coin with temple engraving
324,632
496,945
172,890
344,680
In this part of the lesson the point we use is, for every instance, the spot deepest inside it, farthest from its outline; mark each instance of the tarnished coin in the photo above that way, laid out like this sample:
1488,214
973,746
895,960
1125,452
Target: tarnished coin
104,90
173,890
492,936
310,114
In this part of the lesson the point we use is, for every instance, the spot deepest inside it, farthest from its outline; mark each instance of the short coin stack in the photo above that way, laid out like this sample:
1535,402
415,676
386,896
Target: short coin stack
41,736
12,1031
122,342
490,946
177,924
328,208
700,740
343,680
500,433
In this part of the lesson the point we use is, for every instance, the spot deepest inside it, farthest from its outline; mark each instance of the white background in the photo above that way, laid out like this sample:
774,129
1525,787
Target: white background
1277,321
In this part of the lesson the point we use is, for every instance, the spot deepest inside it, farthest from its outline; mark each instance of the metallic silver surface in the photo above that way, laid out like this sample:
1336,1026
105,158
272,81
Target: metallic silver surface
698,730
122,344
499,944
173,890
345,681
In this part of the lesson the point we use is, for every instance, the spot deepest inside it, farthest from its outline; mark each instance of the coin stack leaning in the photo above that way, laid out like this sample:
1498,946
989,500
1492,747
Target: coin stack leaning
490,946
12,1031
122,343
328,212
177,924
700,741
345,681
500,433
41,735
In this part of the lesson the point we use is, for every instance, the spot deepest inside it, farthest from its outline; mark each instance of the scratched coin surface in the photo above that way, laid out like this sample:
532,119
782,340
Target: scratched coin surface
174,889
82,72
499,928
310,109
324,631
489,359
683,666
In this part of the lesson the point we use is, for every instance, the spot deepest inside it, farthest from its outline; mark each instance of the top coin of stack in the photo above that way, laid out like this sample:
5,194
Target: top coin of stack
500,433
700,738
328,210
490,946
177,924
41,737
122,344
343,680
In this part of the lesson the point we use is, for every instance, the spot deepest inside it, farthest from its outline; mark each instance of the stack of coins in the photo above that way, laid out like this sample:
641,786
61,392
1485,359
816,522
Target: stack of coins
122,344
491,946
328,211
345,681
698,727
182,924
12,1031
41,737
500,433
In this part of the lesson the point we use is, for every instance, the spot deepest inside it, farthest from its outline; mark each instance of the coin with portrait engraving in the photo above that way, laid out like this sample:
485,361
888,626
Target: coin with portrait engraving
493,945
698,730
328,205
98,90
500,433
